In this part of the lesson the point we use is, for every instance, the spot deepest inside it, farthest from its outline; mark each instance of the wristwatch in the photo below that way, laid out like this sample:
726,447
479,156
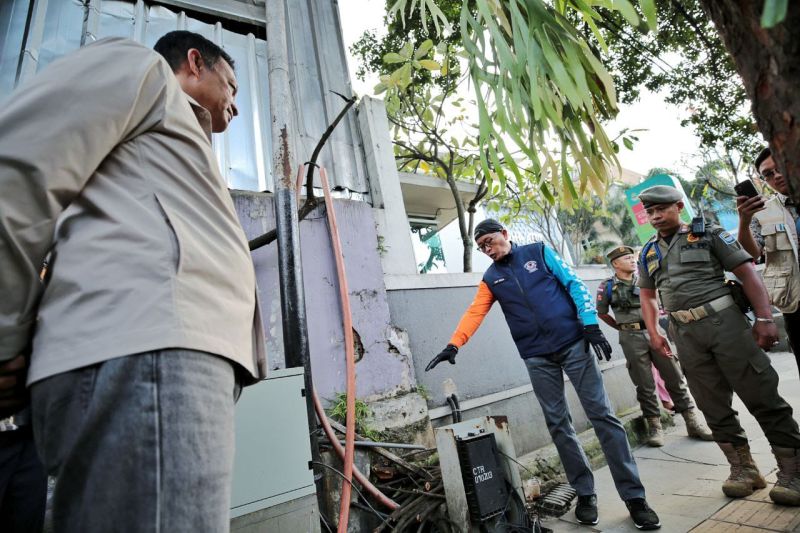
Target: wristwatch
767,320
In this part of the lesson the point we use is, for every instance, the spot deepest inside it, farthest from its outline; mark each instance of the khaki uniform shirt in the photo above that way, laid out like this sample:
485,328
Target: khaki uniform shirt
690,270
624,300
104,159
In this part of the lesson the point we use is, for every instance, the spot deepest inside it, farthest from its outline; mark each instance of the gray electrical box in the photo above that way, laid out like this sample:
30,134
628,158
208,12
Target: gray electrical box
271,478
468,452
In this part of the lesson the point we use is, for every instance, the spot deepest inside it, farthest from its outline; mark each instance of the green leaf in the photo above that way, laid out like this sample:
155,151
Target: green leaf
628,143
649,10
404,78
627,10
430,64
423,49
774,13
393,57
379,88
407,50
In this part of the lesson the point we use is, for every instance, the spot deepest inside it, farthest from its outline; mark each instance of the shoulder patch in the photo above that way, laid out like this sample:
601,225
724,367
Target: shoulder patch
727,238
600,291
684,228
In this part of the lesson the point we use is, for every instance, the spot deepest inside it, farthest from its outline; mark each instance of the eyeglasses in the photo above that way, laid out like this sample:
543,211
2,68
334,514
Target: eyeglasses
770,173
485,245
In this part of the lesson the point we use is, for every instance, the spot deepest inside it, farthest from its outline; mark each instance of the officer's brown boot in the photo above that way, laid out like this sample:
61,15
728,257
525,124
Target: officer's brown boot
787,489
745,477
695,427
655,433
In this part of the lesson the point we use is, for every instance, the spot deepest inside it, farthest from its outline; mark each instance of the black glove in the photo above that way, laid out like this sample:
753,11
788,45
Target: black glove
592,335
448,354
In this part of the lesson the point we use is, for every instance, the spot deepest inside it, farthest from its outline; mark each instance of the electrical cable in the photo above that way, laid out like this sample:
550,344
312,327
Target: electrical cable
350,360
520,464
341,474
324,521
688,460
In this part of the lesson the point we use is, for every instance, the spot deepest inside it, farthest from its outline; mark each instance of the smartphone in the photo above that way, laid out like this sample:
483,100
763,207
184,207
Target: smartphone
745,188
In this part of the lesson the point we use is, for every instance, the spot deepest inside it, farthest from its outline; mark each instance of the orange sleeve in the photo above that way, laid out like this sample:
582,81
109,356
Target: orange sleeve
473,316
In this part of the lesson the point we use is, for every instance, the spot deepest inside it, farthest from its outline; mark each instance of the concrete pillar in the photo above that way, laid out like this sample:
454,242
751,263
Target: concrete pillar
394,234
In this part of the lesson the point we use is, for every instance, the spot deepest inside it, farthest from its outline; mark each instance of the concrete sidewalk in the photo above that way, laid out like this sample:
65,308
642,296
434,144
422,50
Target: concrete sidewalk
684,477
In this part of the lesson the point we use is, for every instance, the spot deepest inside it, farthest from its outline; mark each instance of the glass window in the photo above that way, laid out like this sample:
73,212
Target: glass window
243,151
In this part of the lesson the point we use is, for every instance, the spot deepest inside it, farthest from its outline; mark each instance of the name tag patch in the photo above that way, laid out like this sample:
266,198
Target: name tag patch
501,280
695,246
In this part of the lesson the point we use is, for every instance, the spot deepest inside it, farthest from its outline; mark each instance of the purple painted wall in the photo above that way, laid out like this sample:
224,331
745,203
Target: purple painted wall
383,371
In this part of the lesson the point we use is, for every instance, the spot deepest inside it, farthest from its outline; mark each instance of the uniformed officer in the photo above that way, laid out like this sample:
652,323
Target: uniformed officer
720,353
621,293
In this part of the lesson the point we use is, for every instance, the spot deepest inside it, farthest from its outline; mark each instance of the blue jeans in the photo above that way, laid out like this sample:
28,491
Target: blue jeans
140,443
23,483
548,385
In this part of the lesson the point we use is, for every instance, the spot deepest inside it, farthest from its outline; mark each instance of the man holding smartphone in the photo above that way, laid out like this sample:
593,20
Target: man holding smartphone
769,228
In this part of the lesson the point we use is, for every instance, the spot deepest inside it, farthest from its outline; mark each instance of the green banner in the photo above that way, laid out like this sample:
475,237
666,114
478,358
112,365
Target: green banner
636,210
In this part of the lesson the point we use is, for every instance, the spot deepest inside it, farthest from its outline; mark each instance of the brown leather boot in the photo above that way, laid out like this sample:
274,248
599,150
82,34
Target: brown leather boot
695,427
787,489
655,433
745,477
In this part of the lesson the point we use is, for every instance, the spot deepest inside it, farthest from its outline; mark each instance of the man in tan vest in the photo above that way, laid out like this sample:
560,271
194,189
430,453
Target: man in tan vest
768,228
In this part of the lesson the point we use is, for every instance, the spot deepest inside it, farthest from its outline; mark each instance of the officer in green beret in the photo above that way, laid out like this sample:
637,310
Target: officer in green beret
720,353
621,293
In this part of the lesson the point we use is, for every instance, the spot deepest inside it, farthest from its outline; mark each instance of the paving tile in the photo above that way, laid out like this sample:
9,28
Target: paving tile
714,526
705,488
761,495
759,514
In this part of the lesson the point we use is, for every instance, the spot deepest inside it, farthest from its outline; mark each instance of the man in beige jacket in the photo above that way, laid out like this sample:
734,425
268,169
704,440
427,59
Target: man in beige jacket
769,228
146,324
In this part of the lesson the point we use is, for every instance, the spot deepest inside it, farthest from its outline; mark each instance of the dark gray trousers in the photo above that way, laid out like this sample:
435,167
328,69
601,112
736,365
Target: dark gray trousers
580,366
142,443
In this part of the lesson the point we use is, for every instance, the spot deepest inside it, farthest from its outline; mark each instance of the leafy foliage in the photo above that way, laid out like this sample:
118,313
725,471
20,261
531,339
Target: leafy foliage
363,413
541,91
371,51
686,61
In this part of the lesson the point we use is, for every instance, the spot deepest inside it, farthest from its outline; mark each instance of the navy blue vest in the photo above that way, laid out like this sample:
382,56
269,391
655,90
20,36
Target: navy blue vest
539,311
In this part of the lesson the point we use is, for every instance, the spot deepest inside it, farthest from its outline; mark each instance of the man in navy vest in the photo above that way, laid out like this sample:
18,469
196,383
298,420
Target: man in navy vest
553,321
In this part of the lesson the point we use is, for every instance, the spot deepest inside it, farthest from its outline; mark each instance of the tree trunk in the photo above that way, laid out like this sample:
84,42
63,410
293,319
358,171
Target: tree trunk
768,60
466,239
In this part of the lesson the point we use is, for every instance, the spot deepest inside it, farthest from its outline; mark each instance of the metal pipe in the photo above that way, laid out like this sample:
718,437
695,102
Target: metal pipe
290,273
372,444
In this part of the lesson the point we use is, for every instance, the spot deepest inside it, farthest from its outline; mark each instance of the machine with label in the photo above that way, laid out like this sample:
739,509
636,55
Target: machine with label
483,488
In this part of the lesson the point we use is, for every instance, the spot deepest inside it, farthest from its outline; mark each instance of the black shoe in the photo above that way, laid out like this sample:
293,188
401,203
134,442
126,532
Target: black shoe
641,513
586,510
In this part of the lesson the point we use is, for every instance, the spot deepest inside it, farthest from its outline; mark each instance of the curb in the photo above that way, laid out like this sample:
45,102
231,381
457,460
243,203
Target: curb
545,463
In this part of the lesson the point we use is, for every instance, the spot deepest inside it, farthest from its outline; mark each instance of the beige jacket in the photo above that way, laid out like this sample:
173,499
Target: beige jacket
781,273
148,252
